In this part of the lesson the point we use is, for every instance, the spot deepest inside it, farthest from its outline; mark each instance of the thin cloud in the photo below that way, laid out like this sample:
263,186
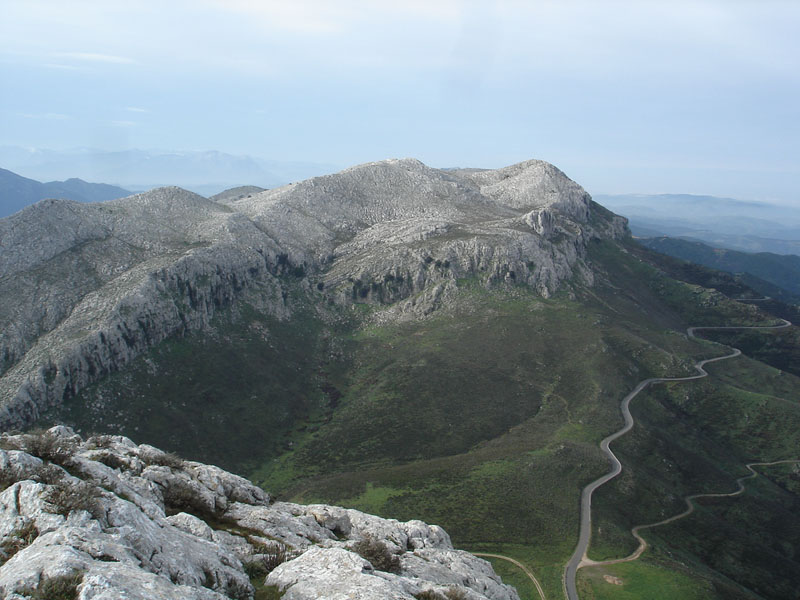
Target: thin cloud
123,123
136,109
63,67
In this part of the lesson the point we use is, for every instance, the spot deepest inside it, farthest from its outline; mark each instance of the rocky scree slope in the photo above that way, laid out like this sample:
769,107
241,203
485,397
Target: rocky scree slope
86,288
111,519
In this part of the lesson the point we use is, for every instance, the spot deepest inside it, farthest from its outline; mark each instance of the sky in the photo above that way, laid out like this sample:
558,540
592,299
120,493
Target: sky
625,97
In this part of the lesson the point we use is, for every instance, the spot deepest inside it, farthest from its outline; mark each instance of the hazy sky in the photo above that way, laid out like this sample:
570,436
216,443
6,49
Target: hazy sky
638,96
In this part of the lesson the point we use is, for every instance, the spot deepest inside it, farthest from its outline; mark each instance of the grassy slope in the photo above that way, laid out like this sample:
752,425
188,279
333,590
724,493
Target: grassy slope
504,400
695,437
235,396
634,581
483,418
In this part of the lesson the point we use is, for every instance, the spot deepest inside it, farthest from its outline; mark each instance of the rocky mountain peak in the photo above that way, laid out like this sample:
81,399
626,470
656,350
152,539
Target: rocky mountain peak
534,185
84,289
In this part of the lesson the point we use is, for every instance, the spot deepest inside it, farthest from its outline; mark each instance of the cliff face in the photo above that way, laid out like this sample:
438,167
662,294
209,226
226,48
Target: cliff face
86,288
112,519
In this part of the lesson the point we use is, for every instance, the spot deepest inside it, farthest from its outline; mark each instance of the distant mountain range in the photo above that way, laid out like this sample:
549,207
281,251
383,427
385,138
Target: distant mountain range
203,172
721,222
762,271
17,192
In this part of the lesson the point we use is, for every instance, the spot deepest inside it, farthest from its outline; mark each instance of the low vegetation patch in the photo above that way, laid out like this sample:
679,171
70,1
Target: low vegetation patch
266,592
267,558
18,540
429,595
378,554
164,459
98,441
48,446
65,496
61,587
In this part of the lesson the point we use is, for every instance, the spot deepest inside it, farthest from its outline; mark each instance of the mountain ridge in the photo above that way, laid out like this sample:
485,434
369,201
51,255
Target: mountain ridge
416,343
180,257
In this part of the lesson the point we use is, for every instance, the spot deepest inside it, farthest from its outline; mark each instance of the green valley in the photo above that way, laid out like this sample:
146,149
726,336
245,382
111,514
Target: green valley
484,417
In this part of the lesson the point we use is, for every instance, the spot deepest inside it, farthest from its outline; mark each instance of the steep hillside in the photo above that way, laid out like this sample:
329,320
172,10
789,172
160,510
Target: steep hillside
782,271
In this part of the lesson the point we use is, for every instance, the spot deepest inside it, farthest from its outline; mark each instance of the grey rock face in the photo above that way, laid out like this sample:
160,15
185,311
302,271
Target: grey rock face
84,289
98,510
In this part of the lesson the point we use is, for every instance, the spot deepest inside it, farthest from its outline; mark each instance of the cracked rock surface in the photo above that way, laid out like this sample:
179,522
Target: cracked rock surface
120,520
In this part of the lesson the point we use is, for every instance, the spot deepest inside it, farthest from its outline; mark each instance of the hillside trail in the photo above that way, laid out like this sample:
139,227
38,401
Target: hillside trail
520,565
579,557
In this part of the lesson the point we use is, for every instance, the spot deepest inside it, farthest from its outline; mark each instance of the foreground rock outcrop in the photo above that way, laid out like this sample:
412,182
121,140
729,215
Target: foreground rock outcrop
106,519
86,288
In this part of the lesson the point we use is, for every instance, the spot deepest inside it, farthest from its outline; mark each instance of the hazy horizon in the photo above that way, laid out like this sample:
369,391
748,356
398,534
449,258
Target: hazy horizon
624,97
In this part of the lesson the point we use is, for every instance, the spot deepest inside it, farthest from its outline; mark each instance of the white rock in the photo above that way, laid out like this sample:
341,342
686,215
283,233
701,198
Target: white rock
192,525
334,574
121,542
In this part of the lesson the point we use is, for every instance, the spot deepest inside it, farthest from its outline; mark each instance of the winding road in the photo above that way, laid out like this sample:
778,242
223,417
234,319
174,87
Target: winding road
579,558
690,506
520,565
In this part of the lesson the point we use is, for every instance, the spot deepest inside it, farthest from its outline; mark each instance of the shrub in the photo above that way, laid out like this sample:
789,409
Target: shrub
16,541
8,477
64,497
268,556
378,554
45,473
48,446
255,569
429,595
8,443
165,459
49,474
61,587
179,496
455,593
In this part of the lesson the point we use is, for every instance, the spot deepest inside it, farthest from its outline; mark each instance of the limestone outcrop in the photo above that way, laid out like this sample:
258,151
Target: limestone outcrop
110,519
85,288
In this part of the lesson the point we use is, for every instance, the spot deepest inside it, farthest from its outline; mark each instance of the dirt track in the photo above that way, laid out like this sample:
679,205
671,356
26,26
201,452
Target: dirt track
520,565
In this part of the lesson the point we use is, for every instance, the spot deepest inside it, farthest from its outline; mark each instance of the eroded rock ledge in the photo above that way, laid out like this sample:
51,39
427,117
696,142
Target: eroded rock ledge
110,519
